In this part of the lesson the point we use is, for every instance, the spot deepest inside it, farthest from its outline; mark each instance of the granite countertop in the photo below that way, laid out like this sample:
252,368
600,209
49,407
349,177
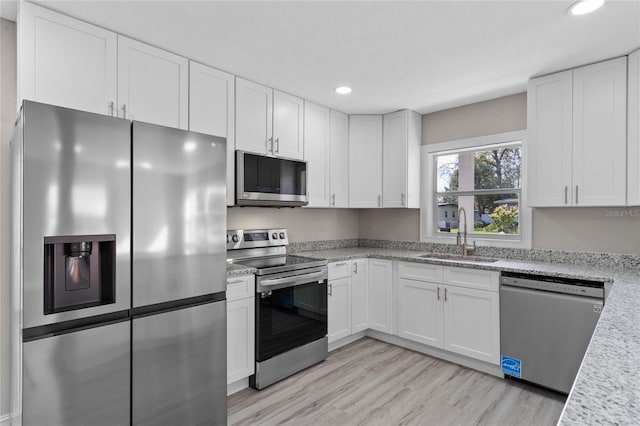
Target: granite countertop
234,269
607,388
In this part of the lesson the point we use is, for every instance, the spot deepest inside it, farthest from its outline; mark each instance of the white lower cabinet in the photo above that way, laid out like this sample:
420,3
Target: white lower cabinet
240,328
339,309
348,305
381,295
456,309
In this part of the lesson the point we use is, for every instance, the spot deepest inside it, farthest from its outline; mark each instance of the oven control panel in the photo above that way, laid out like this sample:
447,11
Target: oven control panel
252,238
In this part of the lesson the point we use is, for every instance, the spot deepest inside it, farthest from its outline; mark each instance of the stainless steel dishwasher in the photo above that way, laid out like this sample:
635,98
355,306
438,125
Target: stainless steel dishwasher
546,324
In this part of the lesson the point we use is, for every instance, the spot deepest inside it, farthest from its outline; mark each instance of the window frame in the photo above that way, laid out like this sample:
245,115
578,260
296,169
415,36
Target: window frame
428,198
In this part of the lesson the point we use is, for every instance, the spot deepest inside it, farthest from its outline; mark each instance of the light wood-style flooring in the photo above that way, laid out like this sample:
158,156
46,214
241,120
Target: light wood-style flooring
369,382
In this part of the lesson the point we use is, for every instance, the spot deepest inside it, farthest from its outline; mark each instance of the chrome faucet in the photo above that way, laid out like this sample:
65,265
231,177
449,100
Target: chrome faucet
466,248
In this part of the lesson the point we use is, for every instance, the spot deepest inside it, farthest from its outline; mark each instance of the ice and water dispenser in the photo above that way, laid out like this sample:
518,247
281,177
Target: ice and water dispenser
79,272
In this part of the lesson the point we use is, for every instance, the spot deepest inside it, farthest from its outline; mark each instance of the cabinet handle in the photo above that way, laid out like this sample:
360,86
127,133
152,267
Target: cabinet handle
566,190
445,294
111,108
124,110
438,295
277,145
330,289
402,199
379,201
333,200
355,267
342,264
576,194
234,282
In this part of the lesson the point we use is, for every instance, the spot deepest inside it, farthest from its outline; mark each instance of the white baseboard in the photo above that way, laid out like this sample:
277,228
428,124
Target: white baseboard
475,364
5,420
235,386
346,340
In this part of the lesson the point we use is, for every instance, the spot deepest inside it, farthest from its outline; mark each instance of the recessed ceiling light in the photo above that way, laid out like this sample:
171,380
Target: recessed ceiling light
583,7
343,90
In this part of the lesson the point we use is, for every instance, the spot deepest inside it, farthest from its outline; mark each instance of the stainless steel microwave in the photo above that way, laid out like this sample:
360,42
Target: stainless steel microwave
270,181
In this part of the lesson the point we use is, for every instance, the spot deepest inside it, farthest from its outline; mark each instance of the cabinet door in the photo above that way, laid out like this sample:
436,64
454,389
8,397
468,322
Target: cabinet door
339,309
549,148
472,323
66,62
381,295
420,318
359,296
600,133
254,123
152,84
288,120
401,140
212,111
316,153
365,161
633,136
240,339
339,161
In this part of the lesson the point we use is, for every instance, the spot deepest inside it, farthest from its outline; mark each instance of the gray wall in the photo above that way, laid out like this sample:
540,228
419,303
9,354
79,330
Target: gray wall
303,224
7,119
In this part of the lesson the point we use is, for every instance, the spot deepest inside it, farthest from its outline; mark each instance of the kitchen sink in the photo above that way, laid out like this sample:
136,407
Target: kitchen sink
457,257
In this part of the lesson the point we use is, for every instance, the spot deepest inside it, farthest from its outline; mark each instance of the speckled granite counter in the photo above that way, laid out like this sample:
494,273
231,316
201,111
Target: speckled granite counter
233,270
607,389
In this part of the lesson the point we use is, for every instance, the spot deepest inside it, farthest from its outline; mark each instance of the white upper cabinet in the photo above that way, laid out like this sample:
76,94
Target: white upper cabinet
401,140
577,136
365,161
267,121
288,121
600,133
316,153
65,62
152,84
339,159
633,133
212,109
549,154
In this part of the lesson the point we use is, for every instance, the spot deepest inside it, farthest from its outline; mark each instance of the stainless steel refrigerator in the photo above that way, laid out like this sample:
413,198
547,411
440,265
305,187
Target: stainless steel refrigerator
118,272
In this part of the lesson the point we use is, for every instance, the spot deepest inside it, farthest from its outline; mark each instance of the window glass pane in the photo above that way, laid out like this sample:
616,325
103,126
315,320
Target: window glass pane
483,169
492,214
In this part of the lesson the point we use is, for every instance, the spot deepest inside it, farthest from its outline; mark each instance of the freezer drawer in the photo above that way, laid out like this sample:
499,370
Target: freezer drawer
80,378
180,367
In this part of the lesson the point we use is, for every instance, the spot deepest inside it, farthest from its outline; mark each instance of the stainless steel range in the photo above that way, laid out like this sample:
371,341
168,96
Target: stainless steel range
291,303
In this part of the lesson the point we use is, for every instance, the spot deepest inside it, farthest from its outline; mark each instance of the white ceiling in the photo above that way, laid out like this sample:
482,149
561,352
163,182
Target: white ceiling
422,55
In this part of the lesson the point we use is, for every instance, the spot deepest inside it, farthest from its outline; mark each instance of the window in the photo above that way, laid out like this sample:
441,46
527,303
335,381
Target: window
481,179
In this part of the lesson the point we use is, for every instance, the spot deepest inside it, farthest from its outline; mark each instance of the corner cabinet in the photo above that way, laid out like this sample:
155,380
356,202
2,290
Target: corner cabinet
66,62
240,328
365,161
316,153
268,121
570,116
633,133
212,109
401,140
451,308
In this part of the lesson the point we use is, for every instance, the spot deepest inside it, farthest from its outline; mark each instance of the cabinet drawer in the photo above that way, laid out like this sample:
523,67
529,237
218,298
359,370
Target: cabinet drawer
472,278
339,269
240,287
420,271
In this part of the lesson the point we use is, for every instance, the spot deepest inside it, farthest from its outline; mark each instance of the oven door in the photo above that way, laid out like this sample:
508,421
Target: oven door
270,181
291,311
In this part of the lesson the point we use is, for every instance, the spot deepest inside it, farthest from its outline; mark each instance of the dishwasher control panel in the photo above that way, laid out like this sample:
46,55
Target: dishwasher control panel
556,285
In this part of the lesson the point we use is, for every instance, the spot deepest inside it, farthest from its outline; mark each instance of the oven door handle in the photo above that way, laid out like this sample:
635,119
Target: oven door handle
294,280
